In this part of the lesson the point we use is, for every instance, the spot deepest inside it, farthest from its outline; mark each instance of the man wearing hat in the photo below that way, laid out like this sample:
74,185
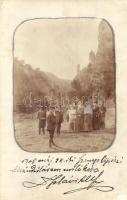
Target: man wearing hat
59,119
42,119
51,124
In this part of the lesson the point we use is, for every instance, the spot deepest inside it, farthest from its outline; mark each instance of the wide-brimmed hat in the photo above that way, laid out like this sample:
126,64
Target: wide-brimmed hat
52,107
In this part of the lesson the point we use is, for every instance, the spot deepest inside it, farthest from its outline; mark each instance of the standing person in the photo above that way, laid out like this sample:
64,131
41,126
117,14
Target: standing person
51,124
102,111
96,115
42,119
59,119
88,114
79,117
72,118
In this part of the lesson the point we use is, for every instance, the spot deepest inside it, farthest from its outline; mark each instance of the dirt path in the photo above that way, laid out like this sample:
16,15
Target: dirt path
26,133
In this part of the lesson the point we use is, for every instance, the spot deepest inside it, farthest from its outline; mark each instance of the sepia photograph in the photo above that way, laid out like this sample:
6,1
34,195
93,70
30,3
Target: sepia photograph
64,97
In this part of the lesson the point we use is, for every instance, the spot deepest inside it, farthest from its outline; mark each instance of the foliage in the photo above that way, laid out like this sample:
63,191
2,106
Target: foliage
99,75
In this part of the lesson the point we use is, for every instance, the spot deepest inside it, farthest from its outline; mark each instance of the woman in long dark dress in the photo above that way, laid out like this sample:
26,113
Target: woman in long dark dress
102,111
96,124
79,117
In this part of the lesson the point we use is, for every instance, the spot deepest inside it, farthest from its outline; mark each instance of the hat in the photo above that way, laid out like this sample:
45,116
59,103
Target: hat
52,107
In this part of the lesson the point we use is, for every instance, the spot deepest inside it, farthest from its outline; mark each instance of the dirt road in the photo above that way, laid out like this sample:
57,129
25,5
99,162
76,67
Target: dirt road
26,134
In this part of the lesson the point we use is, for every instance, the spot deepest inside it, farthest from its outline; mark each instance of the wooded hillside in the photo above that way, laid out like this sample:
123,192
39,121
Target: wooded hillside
99,75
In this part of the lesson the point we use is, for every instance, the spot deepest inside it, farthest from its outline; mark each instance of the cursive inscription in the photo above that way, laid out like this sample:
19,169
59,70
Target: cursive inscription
80,173
91,182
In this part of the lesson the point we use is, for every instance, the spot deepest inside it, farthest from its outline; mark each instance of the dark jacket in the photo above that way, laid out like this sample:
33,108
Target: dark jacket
59,117
51,122
42,115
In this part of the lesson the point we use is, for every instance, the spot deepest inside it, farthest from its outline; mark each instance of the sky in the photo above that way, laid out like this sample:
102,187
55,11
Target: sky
57,45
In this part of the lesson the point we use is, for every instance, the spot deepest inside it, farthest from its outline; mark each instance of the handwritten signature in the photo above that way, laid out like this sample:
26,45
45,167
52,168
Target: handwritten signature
91,181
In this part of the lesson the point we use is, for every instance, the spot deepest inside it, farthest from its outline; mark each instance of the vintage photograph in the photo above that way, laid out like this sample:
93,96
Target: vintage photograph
64,85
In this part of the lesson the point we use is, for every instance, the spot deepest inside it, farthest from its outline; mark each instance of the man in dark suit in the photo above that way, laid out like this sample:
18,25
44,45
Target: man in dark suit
59,119
51,124
42,119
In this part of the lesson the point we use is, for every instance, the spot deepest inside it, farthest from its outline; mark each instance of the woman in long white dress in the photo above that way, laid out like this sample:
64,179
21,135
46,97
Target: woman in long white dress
72,118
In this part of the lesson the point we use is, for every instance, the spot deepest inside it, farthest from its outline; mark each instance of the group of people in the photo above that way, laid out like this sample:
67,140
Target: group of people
85,117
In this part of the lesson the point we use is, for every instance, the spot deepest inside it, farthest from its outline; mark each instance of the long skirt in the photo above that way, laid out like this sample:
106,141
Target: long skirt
87,122
96,124
72,125
102,121
79,123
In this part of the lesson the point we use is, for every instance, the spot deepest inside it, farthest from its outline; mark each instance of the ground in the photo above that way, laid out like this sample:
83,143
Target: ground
27,137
